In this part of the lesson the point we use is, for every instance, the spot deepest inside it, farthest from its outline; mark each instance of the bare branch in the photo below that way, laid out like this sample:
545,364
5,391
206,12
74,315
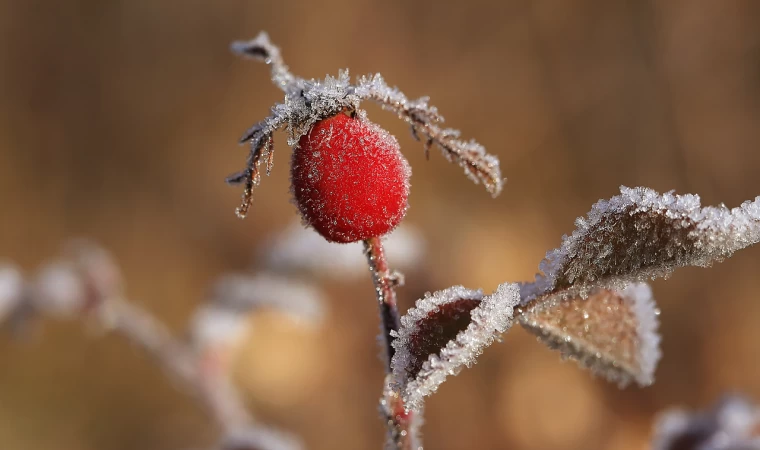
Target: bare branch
87,284
478,165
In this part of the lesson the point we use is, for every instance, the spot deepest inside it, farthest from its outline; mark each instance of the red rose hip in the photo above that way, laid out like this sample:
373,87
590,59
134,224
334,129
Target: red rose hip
349,179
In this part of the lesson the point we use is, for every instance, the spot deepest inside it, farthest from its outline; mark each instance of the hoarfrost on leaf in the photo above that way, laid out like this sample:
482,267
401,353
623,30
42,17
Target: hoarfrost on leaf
444,332
642,235
612,332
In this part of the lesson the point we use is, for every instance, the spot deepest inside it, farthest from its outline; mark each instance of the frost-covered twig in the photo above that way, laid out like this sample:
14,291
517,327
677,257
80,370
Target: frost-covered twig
402,432
87,284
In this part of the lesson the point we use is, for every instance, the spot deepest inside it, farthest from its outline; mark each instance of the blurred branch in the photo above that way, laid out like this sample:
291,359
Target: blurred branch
87,285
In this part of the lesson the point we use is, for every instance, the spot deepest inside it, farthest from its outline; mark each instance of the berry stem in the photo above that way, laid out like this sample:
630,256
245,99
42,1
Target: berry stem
385,292
400,422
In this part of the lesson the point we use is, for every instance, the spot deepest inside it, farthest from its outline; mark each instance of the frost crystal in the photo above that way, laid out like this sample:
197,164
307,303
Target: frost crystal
733,424
641,234
309,101
614,333
299,249
11,290
444,332
243,294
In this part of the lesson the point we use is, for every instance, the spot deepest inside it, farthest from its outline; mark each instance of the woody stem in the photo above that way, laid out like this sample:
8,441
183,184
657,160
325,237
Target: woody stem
400,423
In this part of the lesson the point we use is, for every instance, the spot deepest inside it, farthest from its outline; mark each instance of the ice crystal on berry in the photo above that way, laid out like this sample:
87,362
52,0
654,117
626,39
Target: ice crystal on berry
349,179
361,158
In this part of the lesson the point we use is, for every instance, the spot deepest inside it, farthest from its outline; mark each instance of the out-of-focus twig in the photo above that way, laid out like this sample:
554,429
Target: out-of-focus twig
86,284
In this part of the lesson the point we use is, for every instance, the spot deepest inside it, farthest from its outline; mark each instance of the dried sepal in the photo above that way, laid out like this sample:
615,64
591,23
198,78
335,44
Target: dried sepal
478,165
641,235
444,332
261,48
612,332
262,148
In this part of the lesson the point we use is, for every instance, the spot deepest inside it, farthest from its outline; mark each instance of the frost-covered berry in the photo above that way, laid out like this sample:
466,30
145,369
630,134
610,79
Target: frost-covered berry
349,179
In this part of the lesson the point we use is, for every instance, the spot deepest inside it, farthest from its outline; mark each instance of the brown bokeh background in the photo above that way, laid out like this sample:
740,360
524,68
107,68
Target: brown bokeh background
118,121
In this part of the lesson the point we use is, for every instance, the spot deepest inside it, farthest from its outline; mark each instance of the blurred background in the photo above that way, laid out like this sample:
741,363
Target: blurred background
119,122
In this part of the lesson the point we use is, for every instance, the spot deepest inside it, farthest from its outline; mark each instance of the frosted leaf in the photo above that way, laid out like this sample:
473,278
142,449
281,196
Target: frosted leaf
243,294
732,424
59,290
478,165
11,290
260,438
300,249
612,332
641,234
444,332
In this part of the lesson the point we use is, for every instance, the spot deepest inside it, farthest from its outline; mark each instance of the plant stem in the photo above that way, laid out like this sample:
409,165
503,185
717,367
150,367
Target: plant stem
211,387
400,422
385,293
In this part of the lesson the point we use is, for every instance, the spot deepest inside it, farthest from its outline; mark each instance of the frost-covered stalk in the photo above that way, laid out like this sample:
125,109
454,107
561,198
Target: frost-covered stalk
385,283
350,180
400,421
86,284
